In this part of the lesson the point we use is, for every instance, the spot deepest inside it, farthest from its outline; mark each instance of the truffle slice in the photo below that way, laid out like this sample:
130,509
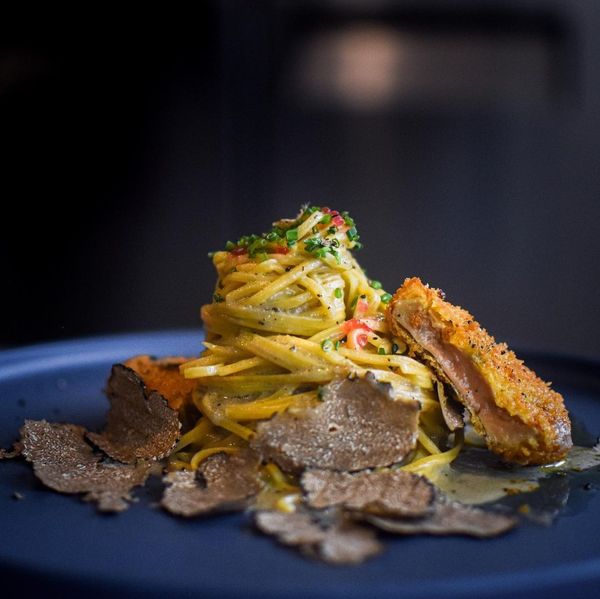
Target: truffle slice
393,493
360,424
140,424
223,482
163,375
448,518
65,462
326,535
9,454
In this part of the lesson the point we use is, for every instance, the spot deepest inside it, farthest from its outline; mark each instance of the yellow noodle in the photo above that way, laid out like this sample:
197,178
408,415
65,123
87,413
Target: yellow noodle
427,443
284,281
204,453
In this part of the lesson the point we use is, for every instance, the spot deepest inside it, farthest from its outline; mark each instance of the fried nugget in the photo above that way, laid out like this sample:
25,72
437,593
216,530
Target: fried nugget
163,375
521,418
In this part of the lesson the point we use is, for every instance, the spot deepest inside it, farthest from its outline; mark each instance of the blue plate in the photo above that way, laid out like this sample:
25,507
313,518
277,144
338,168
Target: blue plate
52,542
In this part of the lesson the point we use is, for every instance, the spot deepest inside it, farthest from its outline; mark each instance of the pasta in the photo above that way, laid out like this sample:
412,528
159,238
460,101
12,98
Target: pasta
292,310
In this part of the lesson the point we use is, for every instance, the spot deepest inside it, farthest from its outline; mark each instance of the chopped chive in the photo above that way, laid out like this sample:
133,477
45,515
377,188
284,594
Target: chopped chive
381,351
338,292
311,243
326,219
332,230
337,345
327,345
229,246
353,303
218,298
291,235
352,234
375,284
386,298
347,218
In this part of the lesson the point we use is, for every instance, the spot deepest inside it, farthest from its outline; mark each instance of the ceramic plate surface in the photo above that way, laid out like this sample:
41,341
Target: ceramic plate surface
52,542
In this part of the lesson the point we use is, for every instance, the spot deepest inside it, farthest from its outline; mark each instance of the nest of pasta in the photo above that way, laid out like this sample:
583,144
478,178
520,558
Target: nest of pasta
292,311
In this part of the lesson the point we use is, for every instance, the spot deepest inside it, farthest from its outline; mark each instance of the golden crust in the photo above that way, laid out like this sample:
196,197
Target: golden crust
516,389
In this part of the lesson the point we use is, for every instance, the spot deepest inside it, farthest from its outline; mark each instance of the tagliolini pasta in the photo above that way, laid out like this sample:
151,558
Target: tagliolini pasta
293,310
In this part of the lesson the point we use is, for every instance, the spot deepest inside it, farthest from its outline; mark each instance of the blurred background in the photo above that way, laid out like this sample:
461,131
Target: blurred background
463,137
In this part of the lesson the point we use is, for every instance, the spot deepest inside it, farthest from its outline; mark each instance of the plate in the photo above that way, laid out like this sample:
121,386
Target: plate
57,542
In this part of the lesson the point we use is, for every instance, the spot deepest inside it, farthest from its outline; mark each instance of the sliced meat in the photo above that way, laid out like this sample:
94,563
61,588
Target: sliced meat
448,518
392,493
359,424
522,419
63,461
163,375
140,425
325,535
223,482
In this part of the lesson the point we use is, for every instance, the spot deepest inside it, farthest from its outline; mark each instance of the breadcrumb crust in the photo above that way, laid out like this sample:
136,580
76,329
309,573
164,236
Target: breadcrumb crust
516,389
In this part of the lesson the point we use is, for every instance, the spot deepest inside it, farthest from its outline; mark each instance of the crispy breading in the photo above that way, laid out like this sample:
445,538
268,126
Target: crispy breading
163,375
521,417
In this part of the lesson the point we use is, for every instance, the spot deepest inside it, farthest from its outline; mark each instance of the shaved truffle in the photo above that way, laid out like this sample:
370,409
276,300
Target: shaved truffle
325,535
140,424
63,461
223,482
449,518
394,493
358,425
163,375
8,454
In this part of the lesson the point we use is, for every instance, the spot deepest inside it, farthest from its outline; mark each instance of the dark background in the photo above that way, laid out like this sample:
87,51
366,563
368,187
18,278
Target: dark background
464,139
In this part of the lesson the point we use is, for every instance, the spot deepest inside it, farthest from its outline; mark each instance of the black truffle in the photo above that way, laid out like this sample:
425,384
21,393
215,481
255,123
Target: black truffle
65,462
392,492
223,482
325,535
140,425
359,424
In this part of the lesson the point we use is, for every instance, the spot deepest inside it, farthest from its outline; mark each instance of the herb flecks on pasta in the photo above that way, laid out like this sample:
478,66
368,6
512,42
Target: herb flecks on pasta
292,310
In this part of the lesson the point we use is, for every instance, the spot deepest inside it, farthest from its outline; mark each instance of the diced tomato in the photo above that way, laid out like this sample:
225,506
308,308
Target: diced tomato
338,221
280,249
239,251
